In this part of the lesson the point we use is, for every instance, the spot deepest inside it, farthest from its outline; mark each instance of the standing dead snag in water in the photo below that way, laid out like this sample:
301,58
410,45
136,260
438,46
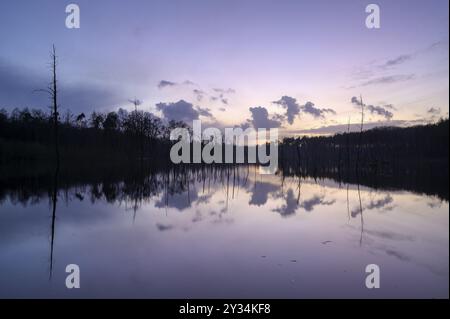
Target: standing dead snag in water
358,154
52,91
53,94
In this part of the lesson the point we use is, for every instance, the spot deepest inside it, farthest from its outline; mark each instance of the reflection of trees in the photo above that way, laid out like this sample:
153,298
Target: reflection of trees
54,200
171,188
412,178
178,187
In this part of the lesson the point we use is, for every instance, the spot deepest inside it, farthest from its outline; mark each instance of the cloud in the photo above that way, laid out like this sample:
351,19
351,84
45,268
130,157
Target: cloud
18,87
390,106
178,111
206,112
341,128
162,227
199,94
221,96
329,110
314,111
434,111
163,83
183,111
291,106
374,109
370,70
397,61
356,101
218,94
389,79
293,109
260,118
224,91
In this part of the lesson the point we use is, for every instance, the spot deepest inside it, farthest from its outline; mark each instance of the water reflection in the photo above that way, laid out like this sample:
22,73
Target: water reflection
218,232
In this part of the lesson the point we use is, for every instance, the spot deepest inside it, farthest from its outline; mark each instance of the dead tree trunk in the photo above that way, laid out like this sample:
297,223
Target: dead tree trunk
358,155
54,94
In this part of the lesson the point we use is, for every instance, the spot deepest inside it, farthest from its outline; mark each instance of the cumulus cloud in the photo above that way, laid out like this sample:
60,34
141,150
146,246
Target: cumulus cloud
291,106
183,111
374,109
293,109
260,118
178,111
310,108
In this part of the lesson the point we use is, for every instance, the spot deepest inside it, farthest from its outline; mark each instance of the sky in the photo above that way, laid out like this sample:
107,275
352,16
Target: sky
291,64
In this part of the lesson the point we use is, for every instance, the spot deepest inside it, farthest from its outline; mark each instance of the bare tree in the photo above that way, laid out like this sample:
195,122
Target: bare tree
52,91
54,94
360,133
136,102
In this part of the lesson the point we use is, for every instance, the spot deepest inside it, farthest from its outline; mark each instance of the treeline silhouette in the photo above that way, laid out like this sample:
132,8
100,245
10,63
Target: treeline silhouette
383,149
27,135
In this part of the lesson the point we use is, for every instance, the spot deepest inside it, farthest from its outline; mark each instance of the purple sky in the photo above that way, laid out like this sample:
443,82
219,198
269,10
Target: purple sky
226,58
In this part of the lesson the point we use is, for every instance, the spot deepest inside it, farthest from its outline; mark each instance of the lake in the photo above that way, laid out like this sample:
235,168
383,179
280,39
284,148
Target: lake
220,233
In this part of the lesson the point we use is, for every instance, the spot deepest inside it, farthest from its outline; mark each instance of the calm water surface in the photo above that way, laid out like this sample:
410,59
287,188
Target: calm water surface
232,236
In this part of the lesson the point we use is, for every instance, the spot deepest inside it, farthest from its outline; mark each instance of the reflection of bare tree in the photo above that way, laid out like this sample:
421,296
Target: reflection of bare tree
348,204
53,91
299,188
54,199
361,216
